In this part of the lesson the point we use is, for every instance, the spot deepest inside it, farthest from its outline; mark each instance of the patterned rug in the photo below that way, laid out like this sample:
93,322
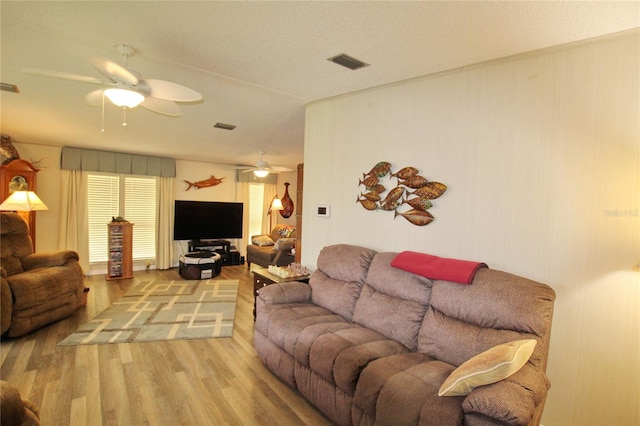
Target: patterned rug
164,310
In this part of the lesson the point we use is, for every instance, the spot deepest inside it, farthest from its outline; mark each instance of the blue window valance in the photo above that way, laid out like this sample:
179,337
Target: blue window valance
116,162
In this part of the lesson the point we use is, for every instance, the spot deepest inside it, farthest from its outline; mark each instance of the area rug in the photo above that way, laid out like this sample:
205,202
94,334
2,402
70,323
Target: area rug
164,310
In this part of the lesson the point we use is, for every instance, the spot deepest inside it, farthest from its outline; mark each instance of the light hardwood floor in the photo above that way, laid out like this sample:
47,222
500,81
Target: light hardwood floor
187,382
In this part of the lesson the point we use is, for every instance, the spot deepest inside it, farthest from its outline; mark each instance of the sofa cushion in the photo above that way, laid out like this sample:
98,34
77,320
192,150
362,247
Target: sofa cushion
392,301
262,240
454,330
338,352
403,389
337,282
488,367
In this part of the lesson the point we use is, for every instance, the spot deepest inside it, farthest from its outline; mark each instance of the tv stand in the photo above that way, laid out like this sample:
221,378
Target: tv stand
218,246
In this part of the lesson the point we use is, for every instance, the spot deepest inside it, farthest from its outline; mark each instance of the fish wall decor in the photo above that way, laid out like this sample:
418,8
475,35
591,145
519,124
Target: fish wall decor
212,181
376,197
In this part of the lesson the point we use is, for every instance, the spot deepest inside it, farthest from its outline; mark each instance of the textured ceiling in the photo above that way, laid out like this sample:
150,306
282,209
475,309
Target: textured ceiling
256,63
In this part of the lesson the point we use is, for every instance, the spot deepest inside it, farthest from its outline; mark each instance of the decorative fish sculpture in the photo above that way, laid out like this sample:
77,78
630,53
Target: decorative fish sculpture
405,173
419,203
367,204
212,181
369,181
414,181
390,205
371,196
377,189
416,217
380,170
394,195
431,190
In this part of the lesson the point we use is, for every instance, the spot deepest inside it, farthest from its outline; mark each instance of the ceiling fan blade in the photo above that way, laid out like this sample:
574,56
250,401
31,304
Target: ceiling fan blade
64,75
171,91
94,98
114,71
162,106
279,169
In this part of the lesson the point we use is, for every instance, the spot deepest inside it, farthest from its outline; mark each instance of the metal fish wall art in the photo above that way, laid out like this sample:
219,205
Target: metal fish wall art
379,170
371,196
430,190
212,181
405,173
419,203
369,181
367,204
417,217
414,181
408,178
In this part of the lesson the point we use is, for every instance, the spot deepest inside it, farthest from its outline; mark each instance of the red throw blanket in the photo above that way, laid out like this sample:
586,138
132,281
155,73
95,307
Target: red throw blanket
437,268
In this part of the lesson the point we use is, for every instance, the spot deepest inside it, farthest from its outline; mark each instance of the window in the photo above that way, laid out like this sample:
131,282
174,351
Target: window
133,198
256,208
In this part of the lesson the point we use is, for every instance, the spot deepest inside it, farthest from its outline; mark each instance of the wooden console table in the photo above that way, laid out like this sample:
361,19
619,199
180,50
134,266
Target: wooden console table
262,278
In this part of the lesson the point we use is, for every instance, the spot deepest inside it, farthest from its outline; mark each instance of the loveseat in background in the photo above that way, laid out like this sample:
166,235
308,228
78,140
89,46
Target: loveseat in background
273,248
368,343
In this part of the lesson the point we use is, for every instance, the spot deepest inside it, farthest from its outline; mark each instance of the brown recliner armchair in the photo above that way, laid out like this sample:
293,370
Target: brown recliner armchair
36,288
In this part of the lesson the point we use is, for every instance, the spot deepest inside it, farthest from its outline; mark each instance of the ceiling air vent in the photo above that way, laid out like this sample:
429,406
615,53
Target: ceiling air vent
348,62
224,126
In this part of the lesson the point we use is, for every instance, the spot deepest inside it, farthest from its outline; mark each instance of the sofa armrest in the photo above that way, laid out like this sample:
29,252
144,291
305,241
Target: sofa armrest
46,260
289,292
514,400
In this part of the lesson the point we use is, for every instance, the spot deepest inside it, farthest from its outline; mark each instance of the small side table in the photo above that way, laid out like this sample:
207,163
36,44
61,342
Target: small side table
262,278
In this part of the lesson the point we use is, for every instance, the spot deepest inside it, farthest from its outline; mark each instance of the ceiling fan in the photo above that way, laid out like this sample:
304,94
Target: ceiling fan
262,169
126,88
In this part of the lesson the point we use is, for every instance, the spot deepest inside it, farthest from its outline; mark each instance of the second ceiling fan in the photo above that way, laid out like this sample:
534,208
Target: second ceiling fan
261,168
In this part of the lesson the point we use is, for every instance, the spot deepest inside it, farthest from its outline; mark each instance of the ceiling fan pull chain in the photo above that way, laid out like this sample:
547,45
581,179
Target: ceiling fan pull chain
124,117
102,119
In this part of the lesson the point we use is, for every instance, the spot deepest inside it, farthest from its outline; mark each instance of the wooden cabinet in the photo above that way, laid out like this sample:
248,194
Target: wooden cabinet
299,213
120,265
19,175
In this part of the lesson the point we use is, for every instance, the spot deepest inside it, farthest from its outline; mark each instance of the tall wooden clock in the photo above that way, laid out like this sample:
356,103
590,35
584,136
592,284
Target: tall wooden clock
19,175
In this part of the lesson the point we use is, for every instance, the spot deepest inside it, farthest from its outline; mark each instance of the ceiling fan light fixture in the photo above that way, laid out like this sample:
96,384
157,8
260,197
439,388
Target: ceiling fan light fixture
123,97
261,173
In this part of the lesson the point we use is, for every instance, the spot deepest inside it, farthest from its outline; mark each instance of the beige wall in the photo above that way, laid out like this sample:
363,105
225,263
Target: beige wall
541,154
47,158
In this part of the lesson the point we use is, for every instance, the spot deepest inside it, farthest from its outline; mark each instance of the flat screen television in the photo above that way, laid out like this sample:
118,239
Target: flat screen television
207,220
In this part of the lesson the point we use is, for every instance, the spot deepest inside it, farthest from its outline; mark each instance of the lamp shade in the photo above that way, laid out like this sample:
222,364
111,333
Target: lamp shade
124,98
276,204
261,173
23,201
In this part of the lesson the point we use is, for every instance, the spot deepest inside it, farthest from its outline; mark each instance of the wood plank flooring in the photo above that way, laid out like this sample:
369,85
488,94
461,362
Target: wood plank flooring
185,382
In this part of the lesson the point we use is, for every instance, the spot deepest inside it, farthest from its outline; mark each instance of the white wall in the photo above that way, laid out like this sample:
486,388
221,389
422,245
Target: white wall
541,155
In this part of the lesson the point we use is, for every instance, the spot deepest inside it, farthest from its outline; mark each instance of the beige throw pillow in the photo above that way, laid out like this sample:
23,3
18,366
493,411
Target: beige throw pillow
488,367
262,241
